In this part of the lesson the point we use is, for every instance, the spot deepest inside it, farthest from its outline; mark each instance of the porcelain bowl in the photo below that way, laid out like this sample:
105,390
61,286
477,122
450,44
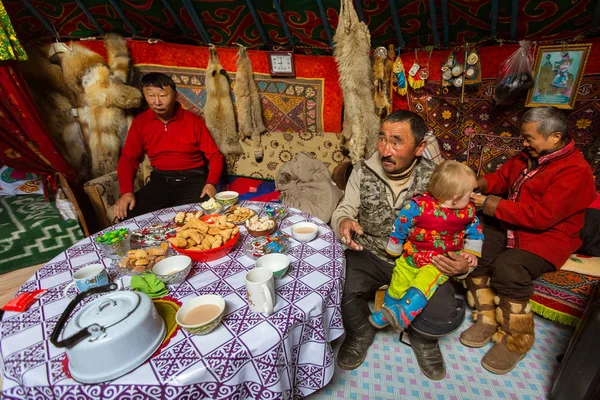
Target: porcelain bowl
227,198
206,327
276,262
173,270
305,237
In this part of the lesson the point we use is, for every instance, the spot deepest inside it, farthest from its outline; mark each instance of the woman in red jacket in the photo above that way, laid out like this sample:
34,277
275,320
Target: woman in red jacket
538,200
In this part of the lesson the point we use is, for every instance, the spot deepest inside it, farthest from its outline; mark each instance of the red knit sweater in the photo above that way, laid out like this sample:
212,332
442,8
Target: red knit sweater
549,207
180,144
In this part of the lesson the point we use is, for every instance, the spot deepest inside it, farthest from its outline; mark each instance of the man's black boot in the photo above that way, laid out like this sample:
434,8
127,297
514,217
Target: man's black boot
353,351
429,356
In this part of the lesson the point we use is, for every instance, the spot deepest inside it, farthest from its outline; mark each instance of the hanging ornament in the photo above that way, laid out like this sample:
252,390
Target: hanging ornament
399,77
414,77
424,72
473,68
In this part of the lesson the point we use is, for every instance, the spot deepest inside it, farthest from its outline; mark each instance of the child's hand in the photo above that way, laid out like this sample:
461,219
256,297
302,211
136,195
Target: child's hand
471,258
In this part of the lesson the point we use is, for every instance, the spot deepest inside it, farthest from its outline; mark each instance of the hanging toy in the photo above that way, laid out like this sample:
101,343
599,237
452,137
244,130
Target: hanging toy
399,76
414,78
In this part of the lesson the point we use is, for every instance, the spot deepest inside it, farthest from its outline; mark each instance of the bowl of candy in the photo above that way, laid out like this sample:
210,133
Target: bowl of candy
276,242
115,244
276,211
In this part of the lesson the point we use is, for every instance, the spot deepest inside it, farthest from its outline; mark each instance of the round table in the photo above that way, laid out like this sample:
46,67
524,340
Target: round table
249,355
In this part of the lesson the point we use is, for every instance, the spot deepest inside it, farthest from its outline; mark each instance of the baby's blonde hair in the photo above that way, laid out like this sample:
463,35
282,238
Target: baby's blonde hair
450,179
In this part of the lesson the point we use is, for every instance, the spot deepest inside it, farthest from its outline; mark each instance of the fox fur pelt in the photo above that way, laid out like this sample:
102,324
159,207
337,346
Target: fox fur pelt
352,45
54,101
249,111
218,110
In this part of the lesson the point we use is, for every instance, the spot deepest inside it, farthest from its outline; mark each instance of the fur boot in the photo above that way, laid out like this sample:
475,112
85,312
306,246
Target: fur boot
514,337
351,50
480,297
218,110
249,111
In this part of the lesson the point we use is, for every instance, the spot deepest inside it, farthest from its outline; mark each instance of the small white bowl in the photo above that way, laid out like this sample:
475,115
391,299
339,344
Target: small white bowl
276,262
227,198
206,327
173,270
305,237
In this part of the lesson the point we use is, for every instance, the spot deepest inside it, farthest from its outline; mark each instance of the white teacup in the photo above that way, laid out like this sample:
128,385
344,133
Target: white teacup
260,289
90,276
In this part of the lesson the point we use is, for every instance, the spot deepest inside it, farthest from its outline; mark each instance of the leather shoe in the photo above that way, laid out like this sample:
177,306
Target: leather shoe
353,351
429,355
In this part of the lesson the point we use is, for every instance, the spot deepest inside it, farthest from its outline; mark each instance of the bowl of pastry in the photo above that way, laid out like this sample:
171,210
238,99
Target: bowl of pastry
261,226
143,259
206,239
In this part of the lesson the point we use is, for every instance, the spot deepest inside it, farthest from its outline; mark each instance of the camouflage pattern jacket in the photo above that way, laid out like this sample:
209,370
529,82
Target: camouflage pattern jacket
369,200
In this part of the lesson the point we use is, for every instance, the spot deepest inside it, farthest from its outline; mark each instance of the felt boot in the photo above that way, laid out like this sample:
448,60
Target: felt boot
480,296
514,338
401,314
353,351
377,319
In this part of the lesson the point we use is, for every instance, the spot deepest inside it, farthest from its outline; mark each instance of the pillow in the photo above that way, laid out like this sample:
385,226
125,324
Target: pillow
17,183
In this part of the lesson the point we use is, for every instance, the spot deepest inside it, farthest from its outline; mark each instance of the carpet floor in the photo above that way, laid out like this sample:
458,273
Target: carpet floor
391,371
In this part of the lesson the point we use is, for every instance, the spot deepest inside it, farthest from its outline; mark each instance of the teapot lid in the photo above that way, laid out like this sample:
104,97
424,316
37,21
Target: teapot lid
108,310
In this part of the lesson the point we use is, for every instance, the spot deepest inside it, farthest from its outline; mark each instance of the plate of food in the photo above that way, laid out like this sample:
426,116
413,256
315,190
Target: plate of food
239,215
211,206
206,239
142,260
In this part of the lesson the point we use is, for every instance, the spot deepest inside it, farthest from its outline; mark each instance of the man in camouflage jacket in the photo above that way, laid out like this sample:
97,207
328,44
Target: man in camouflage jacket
376,191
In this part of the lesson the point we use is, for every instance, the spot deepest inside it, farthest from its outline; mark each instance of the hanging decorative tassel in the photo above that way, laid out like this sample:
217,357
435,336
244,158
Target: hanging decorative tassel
249,111
400,83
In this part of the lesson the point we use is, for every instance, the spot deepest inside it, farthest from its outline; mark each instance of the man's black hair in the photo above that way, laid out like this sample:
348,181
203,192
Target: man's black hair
157,80
418,127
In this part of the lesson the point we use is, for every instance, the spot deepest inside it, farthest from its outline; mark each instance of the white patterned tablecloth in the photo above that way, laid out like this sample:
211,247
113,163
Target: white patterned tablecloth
283,355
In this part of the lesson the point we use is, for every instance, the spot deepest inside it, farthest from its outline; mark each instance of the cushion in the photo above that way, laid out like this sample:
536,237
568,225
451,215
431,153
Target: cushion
18,183
562,295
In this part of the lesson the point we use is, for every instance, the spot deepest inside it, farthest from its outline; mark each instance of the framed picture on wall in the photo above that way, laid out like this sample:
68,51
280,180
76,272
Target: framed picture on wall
557,71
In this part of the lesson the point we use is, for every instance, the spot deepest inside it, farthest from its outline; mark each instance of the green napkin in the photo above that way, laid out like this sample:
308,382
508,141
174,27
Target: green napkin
148,283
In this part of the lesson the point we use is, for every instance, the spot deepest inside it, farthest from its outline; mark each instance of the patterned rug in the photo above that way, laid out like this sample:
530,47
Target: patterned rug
32,232
485,136
289,105
391,371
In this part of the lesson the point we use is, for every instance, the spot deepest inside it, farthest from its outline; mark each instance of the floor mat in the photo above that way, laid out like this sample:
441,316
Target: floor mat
32,232
391,371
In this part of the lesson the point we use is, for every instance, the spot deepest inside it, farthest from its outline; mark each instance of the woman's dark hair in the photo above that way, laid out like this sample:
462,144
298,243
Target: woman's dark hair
157,80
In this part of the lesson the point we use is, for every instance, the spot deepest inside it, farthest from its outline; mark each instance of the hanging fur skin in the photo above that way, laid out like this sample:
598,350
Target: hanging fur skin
249,111
352,43
54,102
218,110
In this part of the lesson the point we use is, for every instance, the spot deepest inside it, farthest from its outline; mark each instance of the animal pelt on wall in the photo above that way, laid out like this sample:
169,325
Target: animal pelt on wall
218,110
55,102
249,111
104,100
352,45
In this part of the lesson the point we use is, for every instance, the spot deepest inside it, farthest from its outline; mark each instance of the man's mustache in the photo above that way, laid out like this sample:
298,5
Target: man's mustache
387,159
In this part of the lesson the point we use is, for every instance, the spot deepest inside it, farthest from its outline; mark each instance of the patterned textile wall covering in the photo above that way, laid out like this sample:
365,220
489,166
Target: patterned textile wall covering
311,102
485,136
230,21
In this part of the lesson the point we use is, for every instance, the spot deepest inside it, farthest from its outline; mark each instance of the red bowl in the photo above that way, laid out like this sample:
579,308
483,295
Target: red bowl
211,254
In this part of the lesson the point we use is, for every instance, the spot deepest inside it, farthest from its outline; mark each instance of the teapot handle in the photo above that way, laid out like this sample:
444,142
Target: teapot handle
85,332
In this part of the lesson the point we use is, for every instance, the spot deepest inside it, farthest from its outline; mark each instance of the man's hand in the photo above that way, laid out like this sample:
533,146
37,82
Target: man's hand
346,229
210,190
477,199
471,258
452,265
125,202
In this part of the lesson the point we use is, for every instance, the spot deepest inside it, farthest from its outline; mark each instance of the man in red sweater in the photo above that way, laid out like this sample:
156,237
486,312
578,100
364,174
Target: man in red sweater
538,200
186,161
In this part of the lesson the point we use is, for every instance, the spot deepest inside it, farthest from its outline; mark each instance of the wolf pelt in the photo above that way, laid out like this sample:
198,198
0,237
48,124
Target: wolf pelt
249,111
218,110
54,102
352,45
